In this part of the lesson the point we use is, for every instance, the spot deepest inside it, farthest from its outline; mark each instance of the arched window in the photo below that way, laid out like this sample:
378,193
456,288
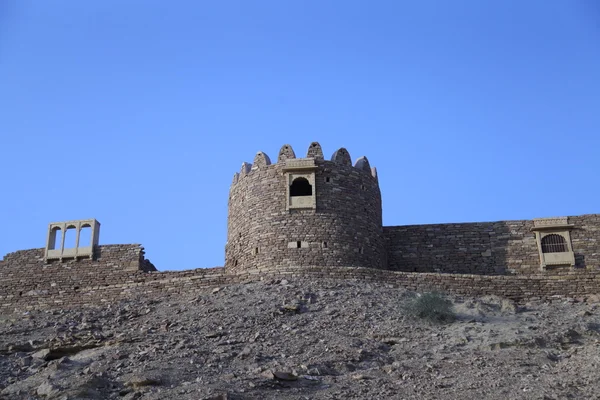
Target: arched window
85,235
70,237
55,238
554,243
301,187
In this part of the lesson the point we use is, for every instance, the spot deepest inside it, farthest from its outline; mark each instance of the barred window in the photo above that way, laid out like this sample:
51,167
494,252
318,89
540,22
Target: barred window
554,244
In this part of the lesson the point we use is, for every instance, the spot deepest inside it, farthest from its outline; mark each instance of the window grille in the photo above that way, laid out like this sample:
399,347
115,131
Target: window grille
554,244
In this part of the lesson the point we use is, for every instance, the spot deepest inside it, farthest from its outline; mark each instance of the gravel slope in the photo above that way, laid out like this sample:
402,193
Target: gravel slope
301,340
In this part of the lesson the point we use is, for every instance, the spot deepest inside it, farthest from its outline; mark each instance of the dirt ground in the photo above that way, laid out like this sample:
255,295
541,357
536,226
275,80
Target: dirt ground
302,339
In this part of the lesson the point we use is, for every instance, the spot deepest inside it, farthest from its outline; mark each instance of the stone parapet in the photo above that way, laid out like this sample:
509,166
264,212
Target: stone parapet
538,287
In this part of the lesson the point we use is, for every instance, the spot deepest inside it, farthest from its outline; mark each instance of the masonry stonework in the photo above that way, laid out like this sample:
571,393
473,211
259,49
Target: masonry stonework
27,278
487,248
343,229
312,218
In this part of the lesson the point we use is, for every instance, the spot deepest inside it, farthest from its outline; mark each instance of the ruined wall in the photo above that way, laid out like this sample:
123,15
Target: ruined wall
344,230
162,285
504,247
25,276
121,271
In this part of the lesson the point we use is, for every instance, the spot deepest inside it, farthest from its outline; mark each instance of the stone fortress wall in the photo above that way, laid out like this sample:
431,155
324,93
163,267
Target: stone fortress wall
309,218
488,248
113,278
338,224
29,279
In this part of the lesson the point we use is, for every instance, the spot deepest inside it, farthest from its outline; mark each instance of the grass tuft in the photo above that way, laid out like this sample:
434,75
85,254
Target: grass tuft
432,306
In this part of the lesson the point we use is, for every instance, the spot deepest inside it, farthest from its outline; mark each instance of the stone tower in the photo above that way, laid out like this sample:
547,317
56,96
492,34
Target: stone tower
304,212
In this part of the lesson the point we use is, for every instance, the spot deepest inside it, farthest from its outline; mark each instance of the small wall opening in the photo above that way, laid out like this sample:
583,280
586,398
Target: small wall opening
554,244
327,179
301,187
85,236
324,245
298,244
70,237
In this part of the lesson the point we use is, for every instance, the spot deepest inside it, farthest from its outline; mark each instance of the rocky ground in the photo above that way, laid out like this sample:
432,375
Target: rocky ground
302,340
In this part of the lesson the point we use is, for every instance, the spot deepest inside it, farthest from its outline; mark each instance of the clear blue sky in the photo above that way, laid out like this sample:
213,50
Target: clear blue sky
138,113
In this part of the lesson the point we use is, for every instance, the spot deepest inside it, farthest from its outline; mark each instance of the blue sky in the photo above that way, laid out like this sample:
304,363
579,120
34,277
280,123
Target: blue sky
138,113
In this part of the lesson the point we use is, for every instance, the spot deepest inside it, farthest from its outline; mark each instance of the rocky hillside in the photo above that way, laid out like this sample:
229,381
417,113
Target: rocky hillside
302,340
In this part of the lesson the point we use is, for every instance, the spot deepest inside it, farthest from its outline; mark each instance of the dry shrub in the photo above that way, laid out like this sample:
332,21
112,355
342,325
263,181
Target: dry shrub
432,306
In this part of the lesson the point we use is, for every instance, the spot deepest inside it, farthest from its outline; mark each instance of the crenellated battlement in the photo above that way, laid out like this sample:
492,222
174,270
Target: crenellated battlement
340,157
305,211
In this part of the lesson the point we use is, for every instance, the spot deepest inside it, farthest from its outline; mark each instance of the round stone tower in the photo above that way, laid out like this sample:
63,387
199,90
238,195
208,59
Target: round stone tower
304,212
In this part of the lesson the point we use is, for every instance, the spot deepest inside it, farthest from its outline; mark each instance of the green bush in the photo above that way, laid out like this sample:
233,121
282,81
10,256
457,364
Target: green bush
432,306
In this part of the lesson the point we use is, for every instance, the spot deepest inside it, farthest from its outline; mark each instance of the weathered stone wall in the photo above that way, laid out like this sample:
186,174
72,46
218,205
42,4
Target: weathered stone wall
504,247
342,237
345,229
25,276
586,240
166,284
121,271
